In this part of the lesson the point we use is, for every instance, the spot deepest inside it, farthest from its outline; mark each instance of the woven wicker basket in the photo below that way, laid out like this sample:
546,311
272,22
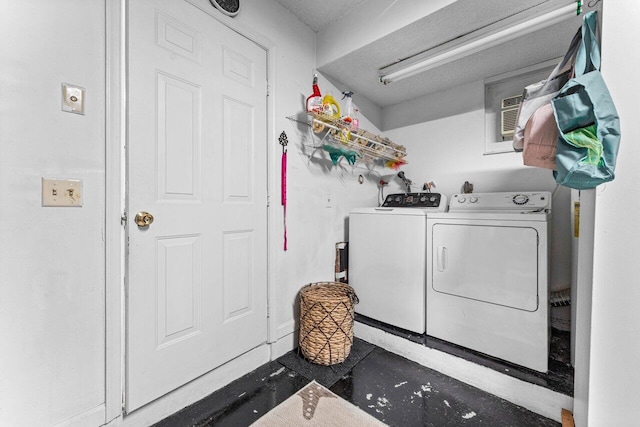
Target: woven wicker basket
326,322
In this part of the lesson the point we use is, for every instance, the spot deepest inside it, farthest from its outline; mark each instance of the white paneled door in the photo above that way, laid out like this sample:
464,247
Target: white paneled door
197,274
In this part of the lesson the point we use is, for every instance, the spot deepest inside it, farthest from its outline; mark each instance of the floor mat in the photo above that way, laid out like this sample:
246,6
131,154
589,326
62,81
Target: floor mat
326,375
314,405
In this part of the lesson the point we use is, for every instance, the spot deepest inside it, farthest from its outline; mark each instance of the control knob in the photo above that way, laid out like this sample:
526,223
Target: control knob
520,199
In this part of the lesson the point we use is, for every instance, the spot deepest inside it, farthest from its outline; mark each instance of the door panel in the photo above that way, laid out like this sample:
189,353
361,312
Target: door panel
196,282
177,37
238,149
178,130
178,288
238,247
493,264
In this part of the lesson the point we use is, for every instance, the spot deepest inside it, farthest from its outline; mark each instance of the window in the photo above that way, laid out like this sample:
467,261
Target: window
502,96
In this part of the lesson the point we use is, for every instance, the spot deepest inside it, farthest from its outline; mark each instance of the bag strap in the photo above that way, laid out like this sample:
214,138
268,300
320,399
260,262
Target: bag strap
588,57
569,57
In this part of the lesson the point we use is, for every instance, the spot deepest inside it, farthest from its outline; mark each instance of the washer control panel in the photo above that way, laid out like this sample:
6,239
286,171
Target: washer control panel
525,201
413,200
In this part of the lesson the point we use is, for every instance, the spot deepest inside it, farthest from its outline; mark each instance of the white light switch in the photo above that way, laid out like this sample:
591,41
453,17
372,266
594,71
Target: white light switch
72,98
328,200
61,192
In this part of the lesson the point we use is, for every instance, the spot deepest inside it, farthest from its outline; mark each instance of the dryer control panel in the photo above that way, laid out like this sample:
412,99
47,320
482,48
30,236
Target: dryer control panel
413,200
525,201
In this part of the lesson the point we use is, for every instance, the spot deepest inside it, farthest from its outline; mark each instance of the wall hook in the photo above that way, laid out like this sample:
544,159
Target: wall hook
283,141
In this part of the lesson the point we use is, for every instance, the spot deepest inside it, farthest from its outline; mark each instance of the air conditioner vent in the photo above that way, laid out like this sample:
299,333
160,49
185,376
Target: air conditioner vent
512,101
509,114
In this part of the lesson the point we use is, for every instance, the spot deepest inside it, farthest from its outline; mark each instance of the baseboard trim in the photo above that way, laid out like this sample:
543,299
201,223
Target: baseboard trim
284,345
91,417
537,399
286,328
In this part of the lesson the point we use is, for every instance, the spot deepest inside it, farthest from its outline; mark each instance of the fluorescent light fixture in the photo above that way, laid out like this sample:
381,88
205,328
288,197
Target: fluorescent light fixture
427,61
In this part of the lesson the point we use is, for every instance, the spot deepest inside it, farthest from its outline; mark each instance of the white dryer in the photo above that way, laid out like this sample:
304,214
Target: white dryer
387,255
487,279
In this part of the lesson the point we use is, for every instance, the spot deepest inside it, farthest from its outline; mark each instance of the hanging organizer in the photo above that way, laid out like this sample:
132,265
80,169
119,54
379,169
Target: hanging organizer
357,146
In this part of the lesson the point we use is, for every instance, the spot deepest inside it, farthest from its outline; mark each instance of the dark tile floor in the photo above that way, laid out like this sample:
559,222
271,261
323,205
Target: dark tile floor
393,389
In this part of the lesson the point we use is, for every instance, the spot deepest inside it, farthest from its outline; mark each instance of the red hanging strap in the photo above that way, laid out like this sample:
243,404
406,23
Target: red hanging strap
283,183
283,195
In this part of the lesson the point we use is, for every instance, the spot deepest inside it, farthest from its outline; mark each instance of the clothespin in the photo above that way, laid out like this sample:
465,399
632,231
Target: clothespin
283,141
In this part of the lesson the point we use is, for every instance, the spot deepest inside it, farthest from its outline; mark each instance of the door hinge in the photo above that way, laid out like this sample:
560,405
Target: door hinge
268,90
268,200
123,219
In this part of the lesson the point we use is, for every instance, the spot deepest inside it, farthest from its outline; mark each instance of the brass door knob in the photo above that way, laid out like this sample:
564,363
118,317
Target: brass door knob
143,219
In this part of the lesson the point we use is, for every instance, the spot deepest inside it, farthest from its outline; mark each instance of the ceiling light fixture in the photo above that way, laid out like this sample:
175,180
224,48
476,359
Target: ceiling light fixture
428,60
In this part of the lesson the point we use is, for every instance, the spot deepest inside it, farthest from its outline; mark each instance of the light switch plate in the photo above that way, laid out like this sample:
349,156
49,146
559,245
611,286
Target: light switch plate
61,192
73,98
328,200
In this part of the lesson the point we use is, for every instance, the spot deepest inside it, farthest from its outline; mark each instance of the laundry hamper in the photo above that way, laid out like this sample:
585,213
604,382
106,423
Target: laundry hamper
326,322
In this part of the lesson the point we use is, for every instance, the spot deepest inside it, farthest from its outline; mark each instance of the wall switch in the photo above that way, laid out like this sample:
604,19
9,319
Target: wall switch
61,192
328,200
72,98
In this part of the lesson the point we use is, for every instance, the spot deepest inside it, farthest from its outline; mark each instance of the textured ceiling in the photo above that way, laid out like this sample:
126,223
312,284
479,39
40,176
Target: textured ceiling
318,14
358,70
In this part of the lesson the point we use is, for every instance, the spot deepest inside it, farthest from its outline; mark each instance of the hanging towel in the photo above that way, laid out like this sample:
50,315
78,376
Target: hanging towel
336,152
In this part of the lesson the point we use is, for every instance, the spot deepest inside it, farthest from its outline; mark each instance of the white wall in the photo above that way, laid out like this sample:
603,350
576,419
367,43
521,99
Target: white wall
312,228
448,150
582,302
614,388
51,259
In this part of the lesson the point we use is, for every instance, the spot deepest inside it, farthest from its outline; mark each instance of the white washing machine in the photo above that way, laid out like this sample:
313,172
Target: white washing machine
487,279
387,255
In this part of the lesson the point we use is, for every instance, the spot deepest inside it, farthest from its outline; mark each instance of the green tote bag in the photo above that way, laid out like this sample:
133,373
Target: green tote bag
587,120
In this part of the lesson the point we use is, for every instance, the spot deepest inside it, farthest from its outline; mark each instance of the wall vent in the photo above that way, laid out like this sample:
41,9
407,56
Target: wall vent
508,115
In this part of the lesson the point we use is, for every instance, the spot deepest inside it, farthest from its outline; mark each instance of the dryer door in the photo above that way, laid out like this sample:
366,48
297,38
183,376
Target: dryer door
495,264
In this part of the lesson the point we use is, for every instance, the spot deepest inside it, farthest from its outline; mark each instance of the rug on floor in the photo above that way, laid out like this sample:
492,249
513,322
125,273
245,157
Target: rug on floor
314,405
326,375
